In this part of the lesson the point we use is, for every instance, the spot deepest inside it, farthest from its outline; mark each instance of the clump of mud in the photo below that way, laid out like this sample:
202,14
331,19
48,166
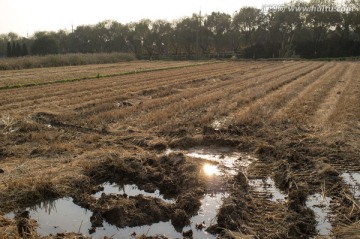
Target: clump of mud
132,211
297,205
173,175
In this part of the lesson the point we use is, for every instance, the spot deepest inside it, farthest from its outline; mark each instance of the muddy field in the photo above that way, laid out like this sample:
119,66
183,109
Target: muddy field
222,149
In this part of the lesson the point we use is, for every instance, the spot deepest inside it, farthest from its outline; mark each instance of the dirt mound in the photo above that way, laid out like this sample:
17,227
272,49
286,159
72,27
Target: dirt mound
132,211
173,175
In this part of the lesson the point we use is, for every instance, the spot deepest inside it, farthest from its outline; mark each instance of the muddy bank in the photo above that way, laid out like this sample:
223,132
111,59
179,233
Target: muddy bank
268,198
171,175
300,165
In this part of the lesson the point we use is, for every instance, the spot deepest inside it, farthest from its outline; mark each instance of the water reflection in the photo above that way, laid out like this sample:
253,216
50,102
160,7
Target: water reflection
321,207
63,215
130,190
211,170
353,181
267,186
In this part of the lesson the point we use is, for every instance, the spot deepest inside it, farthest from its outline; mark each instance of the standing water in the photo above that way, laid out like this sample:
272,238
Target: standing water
321,207
62,215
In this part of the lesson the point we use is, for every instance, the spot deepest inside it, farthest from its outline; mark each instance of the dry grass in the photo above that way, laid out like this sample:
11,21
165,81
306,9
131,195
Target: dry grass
29,62
51,134
349,231
19,78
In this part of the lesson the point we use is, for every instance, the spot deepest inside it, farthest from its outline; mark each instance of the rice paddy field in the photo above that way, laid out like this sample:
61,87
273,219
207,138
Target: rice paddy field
219,149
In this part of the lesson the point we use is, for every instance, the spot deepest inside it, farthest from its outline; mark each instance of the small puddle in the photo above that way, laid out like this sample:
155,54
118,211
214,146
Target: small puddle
227,161
130,190
353,181
268,188
58,216
321,207
62,215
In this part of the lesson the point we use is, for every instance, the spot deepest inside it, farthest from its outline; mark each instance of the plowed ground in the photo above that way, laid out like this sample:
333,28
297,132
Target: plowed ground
302,119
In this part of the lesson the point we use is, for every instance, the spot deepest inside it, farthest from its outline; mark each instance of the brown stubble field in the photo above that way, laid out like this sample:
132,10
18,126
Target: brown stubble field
301,119
13,78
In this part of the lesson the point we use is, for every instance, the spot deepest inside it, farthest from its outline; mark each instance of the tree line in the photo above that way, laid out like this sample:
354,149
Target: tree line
16,50
249,32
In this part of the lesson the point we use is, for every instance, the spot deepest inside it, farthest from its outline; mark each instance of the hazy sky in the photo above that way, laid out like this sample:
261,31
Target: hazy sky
28,16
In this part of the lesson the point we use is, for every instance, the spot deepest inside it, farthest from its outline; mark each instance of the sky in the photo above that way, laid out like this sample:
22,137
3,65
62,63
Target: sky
25,17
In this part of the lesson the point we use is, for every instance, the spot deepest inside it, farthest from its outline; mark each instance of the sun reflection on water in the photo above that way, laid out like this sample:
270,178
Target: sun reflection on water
211,169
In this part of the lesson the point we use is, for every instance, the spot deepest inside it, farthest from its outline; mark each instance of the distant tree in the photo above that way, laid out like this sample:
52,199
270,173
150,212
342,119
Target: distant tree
24,51
62,39
245,22
18,50
83,40
219,25
145,36
250,32
8,50
141,38
162,33
13,49
188,34
118,34
44,45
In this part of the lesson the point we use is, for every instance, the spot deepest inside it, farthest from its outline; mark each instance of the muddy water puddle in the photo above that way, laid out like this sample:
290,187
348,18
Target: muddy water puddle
227,161
62,215
321,207
353,181
267,188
